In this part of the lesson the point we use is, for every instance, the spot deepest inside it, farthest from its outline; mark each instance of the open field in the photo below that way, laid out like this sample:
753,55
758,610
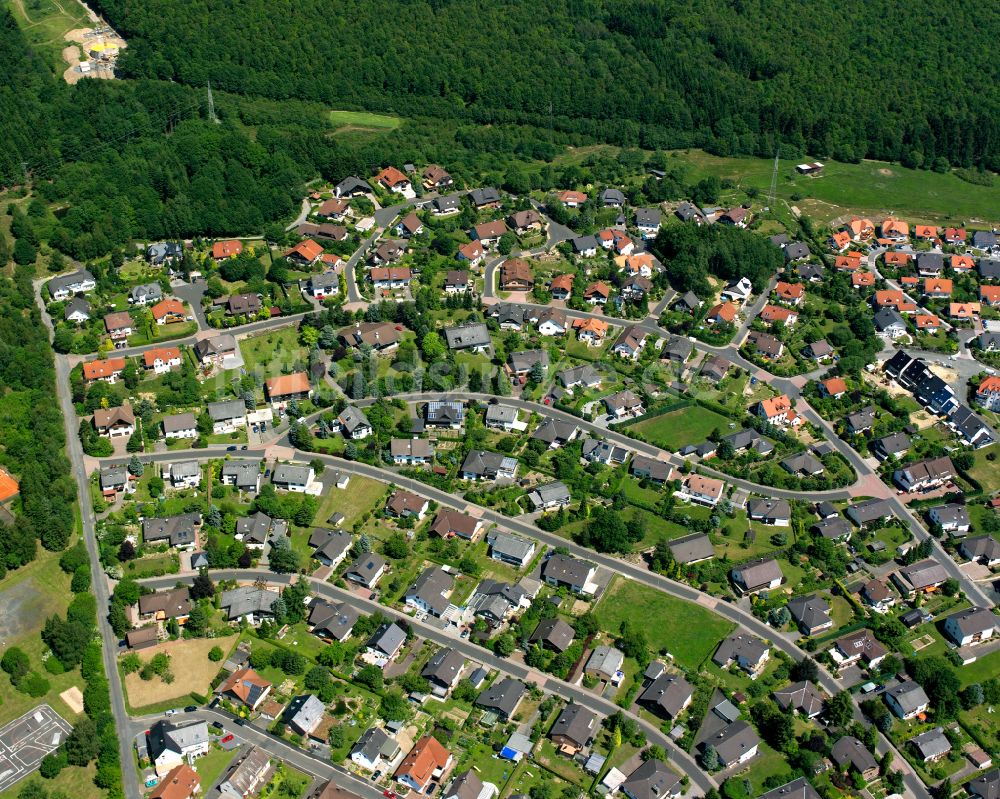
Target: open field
985,472
28,596
273,352
682,427
688,632
46,22
363,119
189,662
359,496
869,188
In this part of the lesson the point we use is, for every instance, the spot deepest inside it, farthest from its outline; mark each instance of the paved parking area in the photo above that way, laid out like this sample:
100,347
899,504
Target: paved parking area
25,741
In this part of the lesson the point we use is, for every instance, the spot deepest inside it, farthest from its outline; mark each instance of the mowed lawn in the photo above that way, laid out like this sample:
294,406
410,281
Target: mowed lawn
364,119
192,670
273,353
360,496
687,631
985,472
679,428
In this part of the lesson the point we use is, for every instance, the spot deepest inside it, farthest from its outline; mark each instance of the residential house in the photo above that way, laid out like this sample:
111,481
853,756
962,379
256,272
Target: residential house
184,474
385,643
811,613
925,475
162,359
623,404
248,776
550,321
701,490
330,547
931,746
367,570
877,595
244,475
444,670
652,779
107,370
411,451
735,744
744,650
591,331
564,571
858,646
629,343
289,477
354,424
62,287
549,496
227,415
430,591
652,469
766,345
922,577
181,782
119,326
952,518
574,729
114,422
515,275
647,221
444,414
524,222
553,634
450,523
775,512
482,465
246,687
511,549
970,626
802,698
502,417
332,621
503,697
427,760
984,549
605,663
667,696
374,749
215,350
850,754
77,311
405,503
171,745
763,574
248,602
474,336
457,281
869,512
281,390
692,548
178,531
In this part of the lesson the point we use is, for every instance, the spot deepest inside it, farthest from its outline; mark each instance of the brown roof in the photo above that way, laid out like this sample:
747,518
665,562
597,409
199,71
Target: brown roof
117,320
241,681
490,230
181,782
167,307
451,521
308,250
94,370
105,417
424,759
515,270
402,501
283,385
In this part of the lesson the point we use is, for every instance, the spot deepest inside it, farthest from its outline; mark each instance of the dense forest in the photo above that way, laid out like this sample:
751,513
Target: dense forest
842,78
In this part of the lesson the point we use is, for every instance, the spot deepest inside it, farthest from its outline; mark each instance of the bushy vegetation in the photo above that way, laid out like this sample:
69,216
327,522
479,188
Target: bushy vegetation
661,73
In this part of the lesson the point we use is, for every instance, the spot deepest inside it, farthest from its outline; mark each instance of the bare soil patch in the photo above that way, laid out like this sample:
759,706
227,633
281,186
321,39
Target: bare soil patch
192,670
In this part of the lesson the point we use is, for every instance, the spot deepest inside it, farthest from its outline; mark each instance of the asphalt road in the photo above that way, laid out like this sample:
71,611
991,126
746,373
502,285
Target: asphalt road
297,758
99,582
597,704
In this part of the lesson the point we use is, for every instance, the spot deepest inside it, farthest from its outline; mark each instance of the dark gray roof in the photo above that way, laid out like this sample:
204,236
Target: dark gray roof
668,693
554,632
887,318
691,548
893,444
227,409
740,647
463,337
909,696
503,696
247,599
352,418
931,744
810,611
335,619
430,589
734,740
178,530
801,696
512,545
849,751
566,569
552,430
769,509
986,786
576,723
444,666
366,567
796,789
387,638
484,196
